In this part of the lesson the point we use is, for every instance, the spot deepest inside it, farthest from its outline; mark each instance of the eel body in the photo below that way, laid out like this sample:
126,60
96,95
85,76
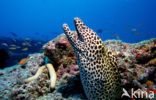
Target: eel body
98,68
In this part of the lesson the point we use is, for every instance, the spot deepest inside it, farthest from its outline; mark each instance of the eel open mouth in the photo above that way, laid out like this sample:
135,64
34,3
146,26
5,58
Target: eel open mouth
80,26
76,40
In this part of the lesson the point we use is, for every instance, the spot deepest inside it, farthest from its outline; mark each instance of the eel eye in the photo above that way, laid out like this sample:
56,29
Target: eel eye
83,28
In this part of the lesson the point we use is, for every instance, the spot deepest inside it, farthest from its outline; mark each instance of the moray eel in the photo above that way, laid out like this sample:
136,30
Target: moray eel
98,68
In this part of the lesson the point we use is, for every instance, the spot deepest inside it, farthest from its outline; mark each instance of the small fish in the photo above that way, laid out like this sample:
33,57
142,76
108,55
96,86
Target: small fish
25,43
35,44
99,30
134,29
105,31
12,48
18,47
39,42
14,34
28,44
126,29
141,24
10,52
24,49
4,44
14,40
128,25
23,61
112,34
27,39
117,36
13,45
137,34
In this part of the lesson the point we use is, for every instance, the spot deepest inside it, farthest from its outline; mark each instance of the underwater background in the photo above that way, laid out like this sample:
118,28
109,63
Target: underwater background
31,35
41,20
131,20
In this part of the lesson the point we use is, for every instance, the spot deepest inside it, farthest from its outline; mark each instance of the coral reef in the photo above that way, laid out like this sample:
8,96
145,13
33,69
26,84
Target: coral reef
133,59
136,71
18,48
60,52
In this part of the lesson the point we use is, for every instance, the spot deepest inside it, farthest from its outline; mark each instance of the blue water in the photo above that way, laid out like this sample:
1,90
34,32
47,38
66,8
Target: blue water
43,19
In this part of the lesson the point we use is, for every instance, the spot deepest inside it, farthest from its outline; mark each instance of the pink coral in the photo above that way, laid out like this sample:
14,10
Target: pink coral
51,45
71,70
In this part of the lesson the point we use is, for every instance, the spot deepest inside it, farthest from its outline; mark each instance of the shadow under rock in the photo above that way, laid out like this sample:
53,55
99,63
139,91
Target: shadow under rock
73,88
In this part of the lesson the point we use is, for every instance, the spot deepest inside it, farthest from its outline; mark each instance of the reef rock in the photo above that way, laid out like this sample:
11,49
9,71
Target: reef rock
60,52
136,63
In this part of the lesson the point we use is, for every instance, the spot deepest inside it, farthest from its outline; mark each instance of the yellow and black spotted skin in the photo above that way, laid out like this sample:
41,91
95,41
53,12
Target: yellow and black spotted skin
98,69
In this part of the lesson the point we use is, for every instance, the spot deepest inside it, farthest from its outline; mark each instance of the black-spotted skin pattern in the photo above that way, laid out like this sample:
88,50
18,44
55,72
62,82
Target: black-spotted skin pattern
98,69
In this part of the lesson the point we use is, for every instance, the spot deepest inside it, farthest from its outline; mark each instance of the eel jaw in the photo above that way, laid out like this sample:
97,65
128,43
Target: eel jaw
74,40
85,36
80,27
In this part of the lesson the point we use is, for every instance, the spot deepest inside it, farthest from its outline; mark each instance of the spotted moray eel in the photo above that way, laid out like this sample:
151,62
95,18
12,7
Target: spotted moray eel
98,68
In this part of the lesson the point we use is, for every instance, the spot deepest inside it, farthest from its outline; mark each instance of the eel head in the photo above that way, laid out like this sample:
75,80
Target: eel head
86,43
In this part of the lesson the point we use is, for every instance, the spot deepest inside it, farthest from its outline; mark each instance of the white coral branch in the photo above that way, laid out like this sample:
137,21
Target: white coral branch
53,76
52,73
39,72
